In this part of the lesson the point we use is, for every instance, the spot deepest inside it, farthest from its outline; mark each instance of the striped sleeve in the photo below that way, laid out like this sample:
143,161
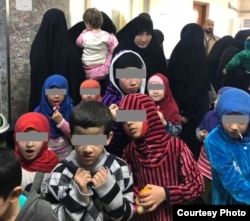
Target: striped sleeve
191,181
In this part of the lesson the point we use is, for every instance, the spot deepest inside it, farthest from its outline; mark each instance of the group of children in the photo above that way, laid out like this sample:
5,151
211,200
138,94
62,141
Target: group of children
91,161
86,178
56,132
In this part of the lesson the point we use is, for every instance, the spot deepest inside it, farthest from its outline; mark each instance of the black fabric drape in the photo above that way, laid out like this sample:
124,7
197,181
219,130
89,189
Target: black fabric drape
236,77
53,51
214,56
189,81
153,54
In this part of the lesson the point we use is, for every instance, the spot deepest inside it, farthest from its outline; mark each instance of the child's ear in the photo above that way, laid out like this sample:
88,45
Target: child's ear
109,137
16,192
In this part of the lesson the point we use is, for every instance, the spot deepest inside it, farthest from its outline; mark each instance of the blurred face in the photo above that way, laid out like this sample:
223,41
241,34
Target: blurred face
156,95
130,85
208,27
143,39
89,154
30,149
235,129
133,128
55,100
89,97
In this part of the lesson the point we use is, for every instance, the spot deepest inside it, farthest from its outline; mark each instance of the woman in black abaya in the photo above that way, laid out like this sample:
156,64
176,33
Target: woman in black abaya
237,76
151,53
189,82
54,52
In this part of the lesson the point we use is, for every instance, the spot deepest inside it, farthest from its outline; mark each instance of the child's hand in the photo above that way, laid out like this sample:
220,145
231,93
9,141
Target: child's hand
100,177
164,122
82,178
57,117
151,199
113,108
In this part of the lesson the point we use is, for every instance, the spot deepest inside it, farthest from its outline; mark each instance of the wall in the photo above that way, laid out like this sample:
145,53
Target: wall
4,96
23,26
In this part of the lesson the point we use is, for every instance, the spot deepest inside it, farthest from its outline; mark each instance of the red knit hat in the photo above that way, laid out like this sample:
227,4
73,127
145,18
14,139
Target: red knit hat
91,84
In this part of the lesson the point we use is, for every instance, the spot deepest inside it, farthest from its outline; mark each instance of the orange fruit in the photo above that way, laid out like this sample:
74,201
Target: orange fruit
144,190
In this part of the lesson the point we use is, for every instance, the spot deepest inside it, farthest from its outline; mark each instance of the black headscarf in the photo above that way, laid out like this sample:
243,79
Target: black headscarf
214,56
159,36
188,61
189,81
53,51
153,55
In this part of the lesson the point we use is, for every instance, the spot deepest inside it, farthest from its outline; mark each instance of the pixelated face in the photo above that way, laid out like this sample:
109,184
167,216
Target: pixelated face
208,26
90,94
134,122
143,39
235,124
133,128
30,143
130,85
55,96
89,97
89,144
155,93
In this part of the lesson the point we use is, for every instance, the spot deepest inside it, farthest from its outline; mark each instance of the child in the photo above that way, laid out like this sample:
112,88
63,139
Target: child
118,87
32,149
208,123
159,91
13,204
56,105
4,126
97,46
242,57
228,149
90,90
160,162
93,184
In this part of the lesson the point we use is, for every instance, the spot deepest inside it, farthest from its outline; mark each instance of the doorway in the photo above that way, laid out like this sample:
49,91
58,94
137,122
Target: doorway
200,10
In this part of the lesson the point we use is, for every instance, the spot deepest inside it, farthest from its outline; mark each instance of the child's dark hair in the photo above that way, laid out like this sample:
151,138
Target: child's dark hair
91,114
93,17
10,172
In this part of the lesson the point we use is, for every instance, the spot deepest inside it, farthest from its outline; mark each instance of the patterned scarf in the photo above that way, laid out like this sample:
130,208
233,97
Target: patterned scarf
152,147
55,80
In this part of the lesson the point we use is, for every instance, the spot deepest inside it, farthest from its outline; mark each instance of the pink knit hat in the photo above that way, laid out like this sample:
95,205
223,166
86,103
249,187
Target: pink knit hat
155,78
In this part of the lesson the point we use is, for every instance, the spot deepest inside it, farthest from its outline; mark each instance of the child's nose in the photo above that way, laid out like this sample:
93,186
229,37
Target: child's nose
235,126
29,143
